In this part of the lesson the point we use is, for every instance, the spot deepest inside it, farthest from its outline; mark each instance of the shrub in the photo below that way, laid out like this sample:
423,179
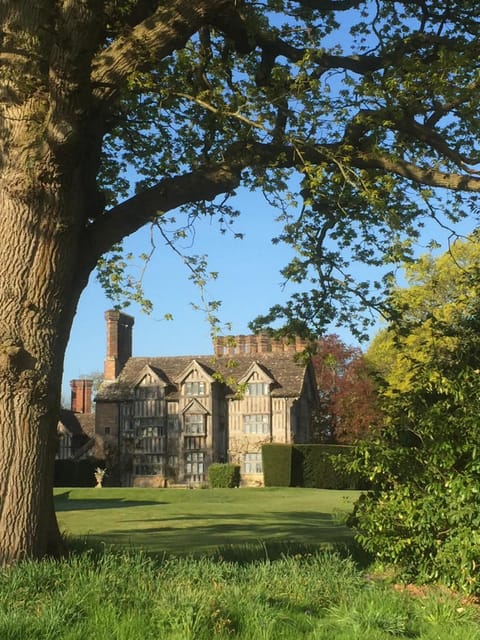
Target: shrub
424,512
319,469
223,476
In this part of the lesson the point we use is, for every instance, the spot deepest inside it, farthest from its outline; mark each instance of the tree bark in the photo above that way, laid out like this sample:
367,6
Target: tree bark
53,117
38,296
33,325
46,189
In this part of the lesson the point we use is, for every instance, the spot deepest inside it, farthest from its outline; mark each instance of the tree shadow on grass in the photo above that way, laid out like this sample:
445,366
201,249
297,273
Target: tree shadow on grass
63,502
227,538
225,533
272,550
307,518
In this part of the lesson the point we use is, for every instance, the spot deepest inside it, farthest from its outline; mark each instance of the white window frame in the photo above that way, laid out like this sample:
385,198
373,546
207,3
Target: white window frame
149,464
150,439
195,465
194,424
257,389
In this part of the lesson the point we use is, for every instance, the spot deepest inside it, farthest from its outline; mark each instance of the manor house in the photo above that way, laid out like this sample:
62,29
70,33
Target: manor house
169,418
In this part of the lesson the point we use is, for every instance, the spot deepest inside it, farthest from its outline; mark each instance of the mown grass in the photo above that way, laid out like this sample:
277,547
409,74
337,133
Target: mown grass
264,570
182,521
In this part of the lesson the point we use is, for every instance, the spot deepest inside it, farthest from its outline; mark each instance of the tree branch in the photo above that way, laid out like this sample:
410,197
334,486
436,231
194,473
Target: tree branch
168,194
330,5
208,182
166,30
420,175
405,124
287,156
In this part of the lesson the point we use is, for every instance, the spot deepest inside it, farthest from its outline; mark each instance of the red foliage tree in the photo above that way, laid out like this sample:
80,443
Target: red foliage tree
347,393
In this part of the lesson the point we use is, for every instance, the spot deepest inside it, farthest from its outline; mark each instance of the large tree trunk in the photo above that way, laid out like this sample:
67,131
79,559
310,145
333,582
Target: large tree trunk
49,149
42,206
38,297
41,276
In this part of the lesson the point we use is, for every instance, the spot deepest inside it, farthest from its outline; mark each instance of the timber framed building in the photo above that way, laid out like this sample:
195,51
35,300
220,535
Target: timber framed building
169,418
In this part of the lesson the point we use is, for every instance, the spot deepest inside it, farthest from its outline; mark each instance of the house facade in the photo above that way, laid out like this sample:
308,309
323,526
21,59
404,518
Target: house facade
169,418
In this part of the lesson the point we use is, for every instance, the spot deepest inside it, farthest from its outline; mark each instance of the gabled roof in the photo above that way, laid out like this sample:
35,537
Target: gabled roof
287,374
195,364
256,367
81,429
195,406
157,374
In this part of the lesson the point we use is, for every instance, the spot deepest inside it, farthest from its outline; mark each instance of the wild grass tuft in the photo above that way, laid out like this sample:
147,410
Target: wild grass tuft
131,596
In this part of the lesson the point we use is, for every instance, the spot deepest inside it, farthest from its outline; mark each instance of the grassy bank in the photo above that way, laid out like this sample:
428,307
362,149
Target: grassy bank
129,596
263,570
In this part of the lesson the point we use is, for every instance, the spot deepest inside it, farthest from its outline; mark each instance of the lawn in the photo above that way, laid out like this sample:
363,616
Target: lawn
109,593
182,521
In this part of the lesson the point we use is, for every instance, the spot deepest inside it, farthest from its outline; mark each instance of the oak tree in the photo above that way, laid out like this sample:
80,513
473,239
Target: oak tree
114,113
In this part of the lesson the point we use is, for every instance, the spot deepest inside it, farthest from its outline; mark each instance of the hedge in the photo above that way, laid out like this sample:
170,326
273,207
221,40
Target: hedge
223,476
277,465
305,465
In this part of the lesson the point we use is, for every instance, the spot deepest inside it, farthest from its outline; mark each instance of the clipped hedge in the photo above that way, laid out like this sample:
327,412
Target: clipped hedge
223,476
318,468
277,465
305,465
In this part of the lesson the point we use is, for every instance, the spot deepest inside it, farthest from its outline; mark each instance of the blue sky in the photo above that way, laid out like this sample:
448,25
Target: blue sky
249,283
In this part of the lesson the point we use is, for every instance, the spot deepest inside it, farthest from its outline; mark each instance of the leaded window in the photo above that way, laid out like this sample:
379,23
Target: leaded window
194,424
252,463
256,423
257,389
196,388
195,466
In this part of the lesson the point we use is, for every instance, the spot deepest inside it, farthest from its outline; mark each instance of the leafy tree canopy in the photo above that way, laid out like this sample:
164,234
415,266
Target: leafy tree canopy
431,316
347,392
356,119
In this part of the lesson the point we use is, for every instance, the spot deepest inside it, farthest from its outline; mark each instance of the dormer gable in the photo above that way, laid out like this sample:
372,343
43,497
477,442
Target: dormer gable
195,380
195,407
194,371
257,381
150,382
256,373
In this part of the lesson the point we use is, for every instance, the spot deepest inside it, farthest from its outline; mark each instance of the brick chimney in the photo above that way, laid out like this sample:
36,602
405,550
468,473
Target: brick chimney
218,344
81,396
119,342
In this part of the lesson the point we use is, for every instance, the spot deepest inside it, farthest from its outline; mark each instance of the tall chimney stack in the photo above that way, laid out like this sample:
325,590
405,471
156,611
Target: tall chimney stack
81,396
119,342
